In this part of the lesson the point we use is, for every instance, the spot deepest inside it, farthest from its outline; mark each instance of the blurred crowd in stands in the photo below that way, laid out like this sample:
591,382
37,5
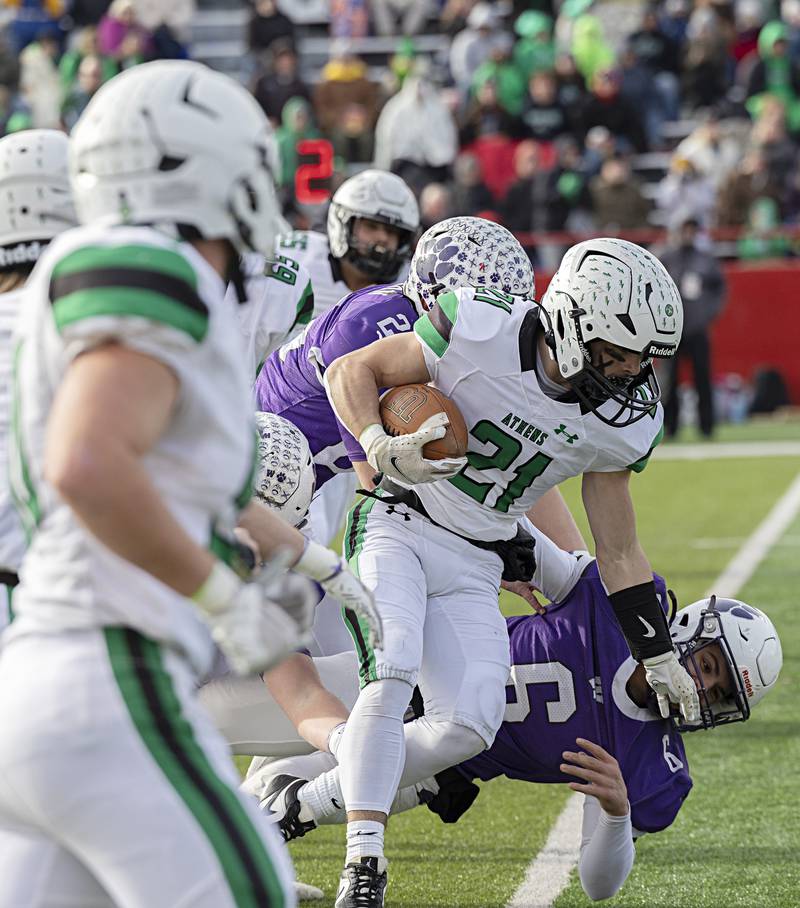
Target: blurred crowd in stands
547,117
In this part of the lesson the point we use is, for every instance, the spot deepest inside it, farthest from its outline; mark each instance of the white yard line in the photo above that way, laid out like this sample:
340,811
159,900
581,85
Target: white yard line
730,542
548,874
724,449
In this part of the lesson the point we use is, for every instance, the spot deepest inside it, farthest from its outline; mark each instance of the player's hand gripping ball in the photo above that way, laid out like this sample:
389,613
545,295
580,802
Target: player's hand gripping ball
405,409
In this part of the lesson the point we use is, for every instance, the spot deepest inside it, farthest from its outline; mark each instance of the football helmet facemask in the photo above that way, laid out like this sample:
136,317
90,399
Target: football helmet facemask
377,196
747,642
618,292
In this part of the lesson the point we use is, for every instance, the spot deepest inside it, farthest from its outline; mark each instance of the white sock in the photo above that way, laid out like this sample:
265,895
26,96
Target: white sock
372,750
323,795
364,840
304,767
335,737
431,746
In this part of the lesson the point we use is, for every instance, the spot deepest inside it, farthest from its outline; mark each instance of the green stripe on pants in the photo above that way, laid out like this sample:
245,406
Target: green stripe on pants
354,534
155,710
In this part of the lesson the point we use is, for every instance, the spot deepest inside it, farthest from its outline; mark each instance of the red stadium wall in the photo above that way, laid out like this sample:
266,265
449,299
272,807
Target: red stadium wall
760,325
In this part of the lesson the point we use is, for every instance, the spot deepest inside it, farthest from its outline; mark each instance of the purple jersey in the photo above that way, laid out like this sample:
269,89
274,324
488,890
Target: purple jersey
290,384
569,673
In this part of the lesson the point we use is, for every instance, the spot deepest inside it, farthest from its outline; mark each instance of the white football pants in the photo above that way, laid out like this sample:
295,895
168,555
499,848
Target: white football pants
437,596
116,789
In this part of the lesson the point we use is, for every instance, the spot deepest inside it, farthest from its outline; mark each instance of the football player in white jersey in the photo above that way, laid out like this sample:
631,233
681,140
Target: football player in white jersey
37,201
133,456
547,392
373,222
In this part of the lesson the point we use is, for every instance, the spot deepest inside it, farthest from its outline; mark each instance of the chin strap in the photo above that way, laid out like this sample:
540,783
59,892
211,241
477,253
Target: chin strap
235,276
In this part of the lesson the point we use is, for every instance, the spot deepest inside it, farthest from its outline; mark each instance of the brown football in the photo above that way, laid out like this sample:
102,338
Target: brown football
404,409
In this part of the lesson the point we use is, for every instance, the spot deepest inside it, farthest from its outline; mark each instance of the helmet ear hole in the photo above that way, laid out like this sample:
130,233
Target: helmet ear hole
560,325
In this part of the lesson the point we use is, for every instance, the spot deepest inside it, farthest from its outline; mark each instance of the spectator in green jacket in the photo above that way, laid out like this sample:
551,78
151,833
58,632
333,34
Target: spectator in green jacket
535,50
296,125
775,73
510,82
85,45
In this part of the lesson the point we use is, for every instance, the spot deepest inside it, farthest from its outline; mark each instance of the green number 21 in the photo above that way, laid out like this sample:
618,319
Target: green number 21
507,451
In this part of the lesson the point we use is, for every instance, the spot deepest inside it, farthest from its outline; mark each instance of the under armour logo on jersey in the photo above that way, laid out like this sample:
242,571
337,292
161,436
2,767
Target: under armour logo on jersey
393,510
562,430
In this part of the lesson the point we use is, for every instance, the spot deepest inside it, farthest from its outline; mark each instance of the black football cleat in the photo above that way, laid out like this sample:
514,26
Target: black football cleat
362,884
294,819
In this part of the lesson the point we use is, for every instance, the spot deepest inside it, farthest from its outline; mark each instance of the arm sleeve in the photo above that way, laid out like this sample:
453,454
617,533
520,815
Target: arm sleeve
557,571
348,334
607,852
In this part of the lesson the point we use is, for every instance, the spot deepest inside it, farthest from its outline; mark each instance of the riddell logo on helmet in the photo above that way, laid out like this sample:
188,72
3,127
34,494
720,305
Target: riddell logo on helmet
655,350
20,254
747,685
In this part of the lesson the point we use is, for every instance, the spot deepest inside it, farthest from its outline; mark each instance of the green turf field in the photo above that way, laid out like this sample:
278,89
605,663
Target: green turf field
736,841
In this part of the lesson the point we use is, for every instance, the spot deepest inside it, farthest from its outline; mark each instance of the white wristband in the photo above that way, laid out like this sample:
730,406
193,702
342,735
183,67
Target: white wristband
369,436
318,562
218,589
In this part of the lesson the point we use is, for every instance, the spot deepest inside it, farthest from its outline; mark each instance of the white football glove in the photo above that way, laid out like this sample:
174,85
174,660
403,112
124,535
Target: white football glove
400,457
335,577
671,682
257,624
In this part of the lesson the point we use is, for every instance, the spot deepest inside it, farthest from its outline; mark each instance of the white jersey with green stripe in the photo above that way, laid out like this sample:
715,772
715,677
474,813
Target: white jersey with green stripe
12,537
480,349
280,302
311,249
139,288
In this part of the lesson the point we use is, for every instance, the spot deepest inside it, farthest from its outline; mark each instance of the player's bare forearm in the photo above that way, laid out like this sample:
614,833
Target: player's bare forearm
551,515
365,473
620,558
270,531
314,711
111,408
353,381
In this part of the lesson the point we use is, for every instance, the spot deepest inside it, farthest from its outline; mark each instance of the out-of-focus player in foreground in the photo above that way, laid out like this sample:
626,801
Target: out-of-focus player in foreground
548,391
573,682
134,452
37,201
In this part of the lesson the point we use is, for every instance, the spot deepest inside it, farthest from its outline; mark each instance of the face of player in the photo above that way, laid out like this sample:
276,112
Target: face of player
614,361
710,672
368,233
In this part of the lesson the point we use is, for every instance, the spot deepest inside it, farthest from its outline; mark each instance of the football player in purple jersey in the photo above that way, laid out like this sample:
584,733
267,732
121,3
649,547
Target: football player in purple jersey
579,711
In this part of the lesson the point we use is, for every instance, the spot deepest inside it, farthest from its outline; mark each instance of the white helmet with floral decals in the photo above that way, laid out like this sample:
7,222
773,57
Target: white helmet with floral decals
285,473
467,252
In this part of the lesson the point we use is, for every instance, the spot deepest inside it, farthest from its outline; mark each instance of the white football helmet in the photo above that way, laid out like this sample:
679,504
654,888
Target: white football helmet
747,641
379,196
285,474
174,143
35,194
616,291
467,252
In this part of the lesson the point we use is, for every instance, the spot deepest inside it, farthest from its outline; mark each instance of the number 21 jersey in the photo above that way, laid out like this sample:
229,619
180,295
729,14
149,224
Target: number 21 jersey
480,349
